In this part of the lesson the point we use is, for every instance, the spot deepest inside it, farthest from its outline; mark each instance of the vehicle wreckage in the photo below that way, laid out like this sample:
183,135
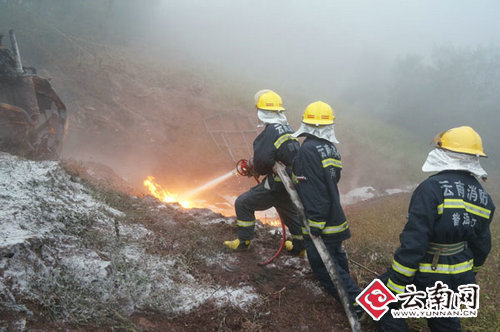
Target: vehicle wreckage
33,119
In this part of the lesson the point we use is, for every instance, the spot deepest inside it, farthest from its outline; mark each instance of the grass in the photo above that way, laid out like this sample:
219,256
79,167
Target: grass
376,226
488,318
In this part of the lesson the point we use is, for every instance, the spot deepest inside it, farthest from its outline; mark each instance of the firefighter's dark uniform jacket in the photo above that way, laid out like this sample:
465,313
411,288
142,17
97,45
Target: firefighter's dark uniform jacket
275,143
316,172
449,209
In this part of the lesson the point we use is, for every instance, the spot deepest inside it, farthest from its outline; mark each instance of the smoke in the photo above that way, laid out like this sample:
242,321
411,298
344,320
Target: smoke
319,46
354,53
395,72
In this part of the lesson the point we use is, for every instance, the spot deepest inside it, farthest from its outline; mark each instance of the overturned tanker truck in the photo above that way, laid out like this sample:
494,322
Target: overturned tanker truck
33,119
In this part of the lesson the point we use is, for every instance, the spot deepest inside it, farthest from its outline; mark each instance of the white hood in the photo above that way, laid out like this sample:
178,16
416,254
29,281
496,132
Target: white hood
440,160
269,117
325,132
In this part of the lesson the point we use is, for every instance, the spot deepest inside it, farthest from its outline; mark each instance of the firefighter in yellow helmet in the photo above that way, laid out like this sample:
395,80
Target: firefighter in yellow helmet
274,143
447,236
316,172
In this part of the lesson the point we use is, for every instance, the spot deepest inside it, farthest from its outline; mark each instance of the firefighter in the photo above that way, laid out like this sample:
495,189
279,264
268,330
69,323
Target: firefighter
447,236
274,143
316,172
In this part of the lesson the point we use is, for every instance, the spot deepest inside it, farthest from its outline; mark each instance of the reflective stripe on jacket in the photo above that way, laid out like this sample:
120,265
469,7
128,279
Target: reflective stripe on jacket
274,143
318,165
447,208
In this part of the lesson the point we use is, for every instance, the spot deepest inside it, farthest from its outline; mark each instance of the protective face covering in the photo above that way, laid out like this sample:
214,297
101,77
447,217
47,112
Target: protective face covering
440,160
325,132
268,117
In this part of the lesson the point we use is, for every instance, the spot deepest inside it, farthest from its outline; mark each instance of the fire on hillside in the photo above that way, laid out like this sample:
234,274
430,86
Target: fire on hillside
163,195
187,201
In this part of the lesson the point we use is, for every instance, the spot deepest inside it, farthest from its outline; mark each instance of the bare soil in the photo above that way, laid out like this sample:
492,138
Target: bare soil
286,304
290,297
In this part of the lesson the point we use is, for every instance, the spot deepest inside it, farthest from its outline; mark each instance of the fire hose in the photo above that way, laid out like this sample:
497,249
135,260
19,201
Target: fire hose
321,248
245,168
283,239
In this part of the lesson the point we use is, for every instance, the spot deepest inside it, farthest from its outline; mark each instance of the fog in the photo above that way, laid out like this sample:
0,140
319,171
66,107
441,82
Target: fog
419,66
320,49
424,65
320,46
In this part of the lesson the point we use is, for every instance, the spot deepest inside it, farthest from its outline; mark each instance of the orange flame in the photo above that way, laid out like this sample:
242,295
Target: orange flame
271,222
163,195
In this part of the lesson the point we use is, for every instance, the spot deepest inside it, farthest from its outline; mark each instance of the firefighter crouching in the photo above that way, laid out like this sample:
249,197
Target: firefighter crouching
447,237
274,143
316,172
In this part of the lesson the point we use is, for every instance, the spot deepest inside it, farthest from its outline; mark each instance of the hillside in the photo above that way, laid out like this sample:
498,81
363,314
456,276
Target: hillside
143,113
76,254
79,253
84,247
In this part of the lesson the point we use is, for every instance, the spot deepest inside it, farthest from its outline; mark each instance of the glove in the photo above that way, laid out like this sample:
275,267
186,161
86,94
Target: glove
244,167
315,232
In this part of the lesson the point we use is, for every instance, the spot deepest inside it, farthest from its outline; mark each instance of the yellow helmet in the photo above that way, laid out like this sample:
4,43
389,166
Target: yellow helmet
260,93
319,114
461,139
269,100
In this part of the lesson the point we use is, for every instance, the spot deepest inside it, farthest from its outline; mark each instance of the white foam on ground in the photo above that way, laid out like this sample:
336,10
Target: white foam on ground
40,209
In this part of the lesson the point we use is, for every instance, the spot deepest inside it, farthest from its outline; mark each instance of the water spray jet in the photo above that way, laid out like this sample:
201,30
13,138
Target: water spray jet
208,185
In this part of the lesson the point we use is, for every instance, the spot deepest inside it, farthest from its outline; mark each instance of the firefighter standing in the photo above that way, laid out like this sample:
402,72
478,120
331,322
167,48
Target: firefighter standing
274,143
316,172
447,237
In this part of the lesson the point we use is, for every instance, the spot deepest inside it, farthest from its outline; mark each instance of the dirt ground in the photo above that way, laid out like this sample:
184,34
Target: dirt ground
289,296
286,303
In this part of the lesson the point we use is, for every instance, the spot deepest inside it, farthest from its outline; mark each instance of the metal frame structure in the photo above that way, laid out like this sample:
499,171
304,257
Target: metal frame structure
232,133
